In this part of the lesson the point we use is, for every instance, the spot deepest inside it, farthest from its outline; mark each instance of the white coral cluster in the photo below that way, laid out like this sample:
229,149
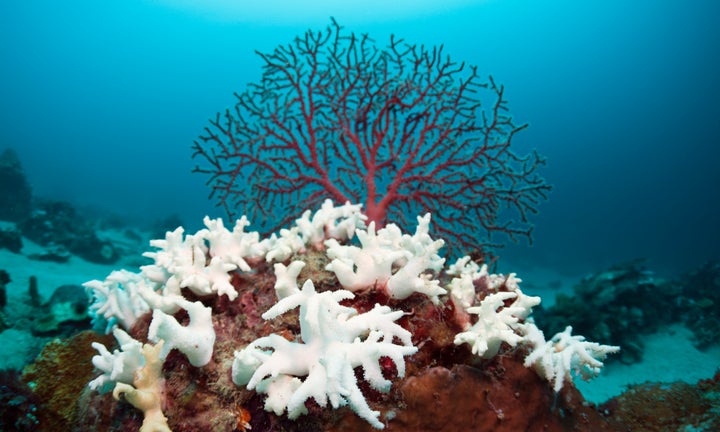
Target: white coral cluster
134,370
564,354
499,322
389,260
462,286
117,299
329,222
196,340
496,323
118,366
203,263
466,272
186,261
335,340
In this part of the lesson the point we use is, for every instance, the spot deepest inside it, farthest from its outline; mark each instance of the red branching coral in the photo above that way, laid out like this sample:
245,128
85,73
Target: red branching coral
400,129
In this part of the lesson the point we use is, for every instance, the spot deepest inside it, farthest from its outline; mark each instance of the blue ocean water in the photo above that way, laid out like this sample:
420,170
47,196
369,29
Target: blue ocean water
102,101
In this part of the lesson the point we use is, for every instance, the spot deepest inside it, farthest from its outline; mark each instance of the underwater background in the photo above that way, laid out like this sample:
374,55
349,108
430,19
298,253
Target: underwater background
102,101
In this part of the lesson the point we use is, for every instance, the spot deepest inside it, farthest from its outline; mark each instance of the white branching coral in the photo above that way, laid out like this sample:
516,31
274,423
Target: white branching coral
118,366
564,354
330,222
235,247
462,287
196,340
286,278
312,229
117,300
203,262
497,321
335,340
182,262
495,324
283,246
389,260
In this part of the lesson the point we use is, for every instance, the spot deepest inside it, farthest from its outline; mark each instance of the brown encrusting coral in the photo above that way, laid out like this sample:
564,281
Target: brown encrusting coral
59,376
678,406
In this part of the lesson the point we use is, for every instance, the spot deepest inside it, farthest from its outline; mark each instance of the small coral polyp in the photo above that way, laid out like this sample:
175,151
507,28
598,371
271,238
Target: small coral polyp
366,307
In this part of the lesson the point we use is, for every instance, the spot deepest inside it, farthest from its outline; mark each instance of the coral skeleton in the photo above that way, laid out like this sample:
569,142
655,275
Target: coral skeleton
335,340
234,247
282,247
117,300
329,221
286,278
196,340
118,366
390,260
495,324
563,354
461,287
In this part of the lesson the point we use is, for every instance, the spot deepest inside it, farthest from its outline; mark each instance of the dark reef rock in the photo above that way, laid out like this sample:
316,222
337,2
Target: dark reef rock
15,191
616,306
701,304
58,223
52,253
4,280
65,314
18,404
10,239
620,305
446,387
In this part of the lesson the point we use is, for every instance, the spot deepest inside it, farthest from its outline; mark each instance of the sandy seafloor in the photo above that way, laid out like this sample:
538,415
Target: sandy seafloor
669,355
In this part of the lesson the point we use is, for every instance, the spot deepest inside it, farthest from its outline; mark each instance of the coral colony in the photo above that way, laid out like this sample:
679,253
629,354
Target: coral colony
342,346
232,329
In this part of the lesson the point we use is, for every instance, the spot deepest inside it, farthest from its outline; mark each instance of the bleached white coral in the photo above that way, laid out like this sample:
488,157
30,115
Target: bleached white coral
461,287
117,299
182,262
236,246
286,278
330,222
311,229
362,267
283,246
389,260
563,354
196,340
118,366
495,324
206,279
335,340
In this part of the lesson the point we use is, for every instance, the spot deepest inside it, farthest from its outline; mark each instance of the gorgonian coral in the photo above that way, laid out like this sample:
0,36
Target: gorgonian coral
402,129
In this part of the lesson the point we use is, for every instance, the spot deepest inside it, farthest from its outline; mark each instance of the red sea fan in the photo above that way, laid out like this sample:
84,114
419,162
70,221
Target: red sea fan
400,129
